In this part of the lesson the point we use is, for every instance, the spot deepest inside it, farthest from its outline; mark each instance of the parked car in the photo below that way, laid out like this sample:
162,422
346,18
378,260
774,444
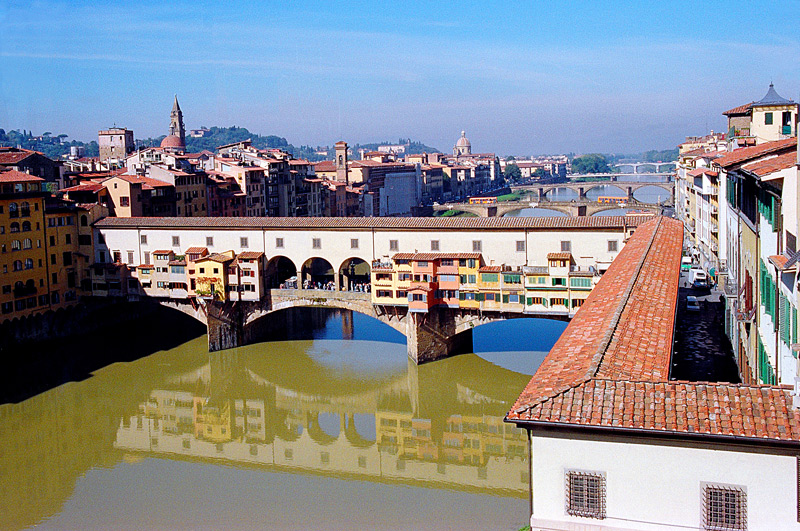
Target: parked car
698,278
692,304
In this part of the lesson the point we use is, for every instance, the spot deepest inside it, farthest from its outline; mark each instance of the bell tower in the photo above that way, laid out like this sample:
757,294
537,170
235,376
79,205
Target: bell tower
176,122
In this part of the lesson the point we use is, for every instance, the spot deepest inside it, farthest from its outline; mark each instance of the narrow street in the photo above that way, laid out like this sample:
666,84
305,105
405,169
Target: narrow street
702,351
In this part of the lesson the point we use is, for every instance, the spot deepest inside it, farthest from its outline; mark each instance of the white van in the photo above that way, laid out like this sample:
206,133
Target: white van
698,278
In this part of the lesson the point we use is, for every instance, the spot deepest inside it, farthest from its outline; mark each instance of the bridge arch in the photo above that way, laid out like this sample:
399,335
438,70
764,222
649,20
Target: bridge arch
548,192
279,269
601,185
354,435
354,272
318,272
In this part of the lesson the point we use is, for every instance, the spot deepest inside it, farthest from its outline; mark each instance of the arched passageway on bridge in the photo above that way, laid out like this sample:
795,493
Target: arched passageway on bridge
593,191
360,429
279,269
561,194
537,212
318,273
354,275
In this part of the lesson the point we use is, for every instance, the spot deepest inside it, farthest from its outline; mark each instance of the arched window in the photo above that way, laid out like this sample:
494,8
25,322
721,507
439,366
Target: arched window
26,226
15,227
16,245
25,209
84,221
29,263
30,284
27,243
18,285
13,210
18,265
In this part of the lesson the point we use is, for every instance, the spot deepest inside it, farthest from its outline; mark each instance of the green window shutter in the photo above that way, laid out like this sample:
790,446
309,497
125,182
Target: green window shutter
480,296
530,301
505,298
794,324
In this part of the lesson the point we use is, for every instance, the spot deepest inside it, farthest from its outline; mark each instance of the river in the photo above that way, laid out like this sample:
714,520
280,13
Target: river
326,426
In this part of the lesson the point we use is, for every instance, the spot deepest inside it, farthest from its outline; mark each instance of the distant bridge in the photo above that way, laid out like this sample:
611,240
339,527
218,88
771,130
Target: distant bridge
636,165
582,188
580,208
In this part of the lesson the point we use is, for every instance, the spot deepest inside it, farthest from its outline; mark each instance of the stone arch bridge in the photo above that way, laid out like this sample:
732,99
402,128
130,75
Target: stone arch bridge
437,334
582,188
571,208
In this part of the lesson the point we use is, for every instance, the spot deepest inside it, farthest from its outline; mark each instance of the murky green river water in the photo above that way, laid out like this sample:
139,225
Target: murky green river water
328,427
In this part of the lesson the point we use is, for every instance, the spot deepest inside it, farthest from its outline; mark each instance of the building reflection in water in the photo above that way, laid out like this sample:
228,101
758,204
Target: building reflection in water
349,409
438,423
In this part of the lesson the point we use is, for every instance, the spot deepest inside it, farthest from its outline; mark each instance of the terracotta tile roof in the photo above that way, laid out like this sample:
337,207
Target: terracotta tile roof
429,257
216,257
162,252
14,176
84,187
250,255
559,256
196,250
745,154
774,164
399,223
146,266
490,269
780,261
325,165
15,156
697,172
177,262
610,367
741,109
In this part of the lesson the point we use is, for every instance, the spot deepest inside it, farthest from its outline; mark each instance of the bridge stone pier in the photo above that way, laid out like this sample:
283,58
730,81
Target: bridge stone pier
432,335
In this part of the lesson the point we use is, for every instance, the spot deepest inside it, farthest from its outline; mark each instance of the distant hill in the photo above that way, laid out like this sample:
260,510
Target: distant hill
53,146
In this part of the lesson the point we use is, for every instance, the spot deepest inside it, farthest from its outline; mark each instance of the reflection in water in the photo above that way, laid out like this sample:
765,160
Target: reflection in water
302,414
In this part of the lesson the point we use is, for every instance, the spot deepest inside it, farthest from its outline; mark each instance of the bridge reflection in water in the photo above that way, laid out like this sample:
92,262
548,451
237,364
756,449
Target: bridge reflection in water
354,410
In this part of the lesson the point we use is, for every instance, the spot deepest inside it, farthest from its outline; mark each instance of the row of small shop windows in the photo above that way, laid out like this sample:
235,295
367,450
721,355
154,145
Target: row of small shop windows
480,297
575,282
724,506
181,285
20,305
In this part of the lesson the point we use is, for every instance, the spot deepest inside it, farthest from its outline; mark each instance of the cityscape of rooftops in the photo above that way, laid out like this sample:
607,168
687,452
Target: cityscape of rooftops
399,266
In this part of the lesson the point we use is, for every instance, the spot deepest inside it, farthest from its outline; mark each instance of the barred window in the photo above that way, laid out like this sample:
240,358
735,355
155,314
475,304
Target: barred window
209,241
354,243
724,508
142,238
566,246
243,243
434,245
520,246
476,246
586,494
279,243
316,243
613,246
176,241
393,245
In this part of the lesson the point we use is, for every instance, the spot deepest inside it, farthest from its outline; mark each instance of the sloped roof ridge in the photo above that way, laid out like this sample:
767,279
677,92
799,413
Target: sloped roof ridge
608,336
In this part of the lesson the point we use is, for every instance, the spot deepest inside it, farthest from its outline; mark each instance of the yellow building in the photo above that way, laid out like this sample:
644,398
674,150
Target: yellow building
24,283
65,266
210,275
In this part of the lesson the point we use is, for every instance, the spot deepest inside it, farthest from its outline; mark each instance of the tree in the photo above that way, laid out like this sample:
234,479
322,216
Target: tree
512,173
592,163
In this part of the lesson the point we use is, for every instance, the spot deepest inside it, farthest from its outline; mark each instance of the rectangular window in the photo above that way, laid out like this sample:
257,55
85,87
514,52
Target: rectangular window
586,494
142,239
520,246
434,245
566,247
476,246
279,243
124,201
613,246
243,243
354,243
176,241
54,278
767,118
209,241
724,508
316,243
393,245
130,257
146,257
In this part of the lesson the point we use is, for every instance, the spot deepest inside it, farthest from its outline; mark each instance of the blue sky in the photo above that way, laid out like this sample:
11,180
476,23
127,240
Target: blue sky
520,78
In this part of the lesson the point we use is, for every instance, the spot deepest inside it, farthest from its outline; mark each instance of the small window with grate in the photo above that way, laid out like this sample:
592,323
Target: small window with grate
279,243
434,245
316,243
393,245
566,247
613,246
354,243
476,246
586,494
724,507
243,243
209,241
520,246
176,241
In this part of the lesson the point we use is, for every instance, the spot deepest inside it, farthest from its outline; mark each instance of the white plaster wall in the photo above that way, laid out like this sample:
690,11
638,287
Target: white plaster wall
498,247
654,487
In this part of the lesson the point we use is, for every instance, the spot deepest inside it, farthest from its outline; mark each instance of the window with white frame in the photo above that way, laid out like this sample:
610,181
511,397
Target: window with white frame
724,507
279,243
520,246
209,241
477,246
316,243
566,246
585,494
354,243
243,243
176,241
434,245
393,245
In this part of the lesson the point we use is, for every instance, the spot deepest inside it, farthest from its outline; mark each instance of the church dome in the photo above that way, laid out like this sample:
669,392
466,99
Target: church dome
172,141
463,142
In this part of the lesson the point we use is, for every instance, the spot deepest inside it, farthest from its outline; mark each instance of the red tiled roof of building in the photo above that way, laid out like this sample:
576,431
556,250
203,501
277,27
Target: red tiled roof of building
610,367
177,262
325,165
410,223
741,109
697,172
429,257
146,266
14,176
216,257
250,255
490,269
14,155
196,250
780,261
774,164
745,154
559,256
84,187
162,252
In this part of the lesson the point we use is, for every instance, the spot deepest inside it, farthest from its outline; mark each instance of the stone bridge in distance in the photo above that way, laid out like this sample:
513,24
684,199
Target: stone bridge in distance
433,335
